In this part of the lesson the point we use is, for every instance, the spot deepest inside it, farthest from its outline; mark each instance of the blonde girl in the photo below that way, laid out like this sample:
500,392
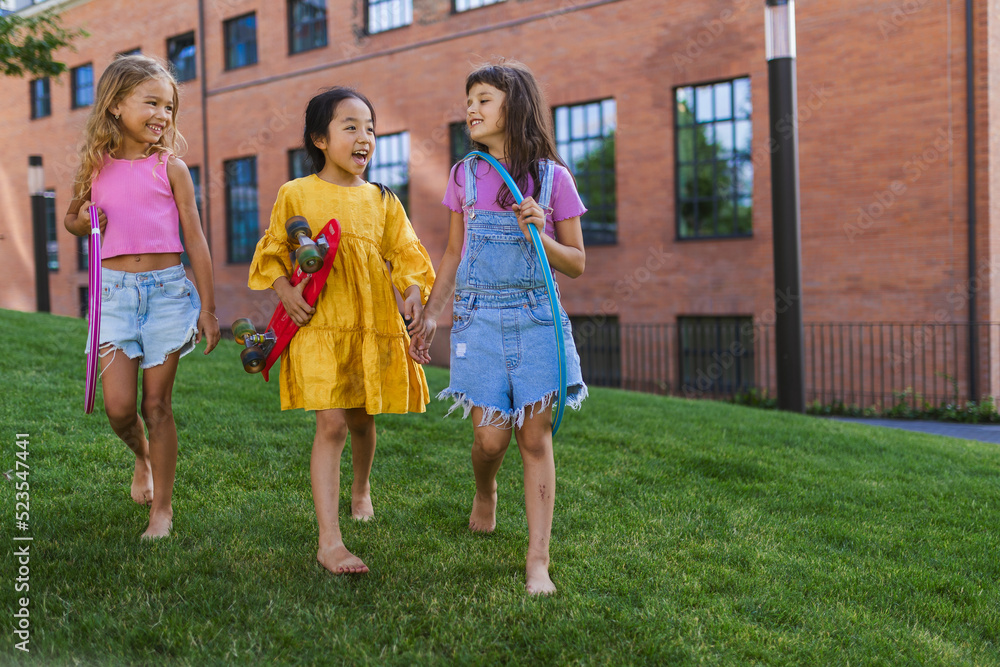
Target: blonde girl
151,314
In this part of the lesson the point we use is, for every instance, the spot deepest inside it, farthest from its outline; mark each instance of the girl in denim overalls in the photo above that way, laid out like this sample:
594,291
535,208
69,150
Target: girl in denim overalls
504,367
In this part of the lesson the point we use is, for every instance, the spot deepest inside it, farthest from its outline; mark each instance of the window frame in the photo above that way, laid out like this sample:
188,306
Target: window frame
455,9
291,5
75,86
43,101
407,6
738,197
599,343
402,191
195,171
702,354
51,231
602,233
296,155
229,45
454,129
240,250
178,72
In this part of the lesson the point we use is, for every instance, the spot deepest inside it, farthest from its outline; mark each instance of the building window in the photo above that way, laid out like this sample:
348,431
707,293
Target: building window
299,164
196,180
716,354
41,99
714,170
242,227
585,139
82,252
131,52
82,84
466,5
388,14
241,41
598,342
460,143
51,240
83,300
182,53
390,165
306,25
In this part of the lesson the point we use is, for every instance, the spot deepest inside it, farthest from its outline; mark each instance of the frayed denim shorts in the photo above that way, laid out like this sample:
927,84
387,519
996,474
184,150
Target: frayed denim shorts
504,357
149,315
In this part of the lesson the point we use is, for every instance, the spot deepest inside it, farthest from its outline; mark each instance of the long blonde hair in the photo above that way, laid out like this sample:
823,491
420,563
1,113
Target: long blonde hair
103,133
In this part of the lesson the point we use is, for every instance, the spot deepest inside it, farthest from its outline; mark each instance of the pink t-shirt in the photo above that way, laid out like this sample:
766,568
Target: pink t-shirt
565,201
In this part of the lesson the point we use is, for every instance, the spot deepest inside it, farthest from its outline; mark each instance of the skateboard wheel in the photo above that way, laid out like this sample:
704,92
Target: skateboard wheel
296,227
309,258
253,359
241,328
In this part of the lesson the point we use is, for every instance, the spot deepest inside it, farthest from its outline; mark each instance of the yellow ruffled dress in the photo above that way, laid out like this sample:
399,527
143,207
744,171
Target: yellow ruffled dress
353,353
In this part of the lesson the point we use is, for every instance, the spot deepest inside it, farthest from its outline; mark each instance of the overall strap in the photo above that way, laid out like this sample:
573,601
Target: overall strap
547,171
470,183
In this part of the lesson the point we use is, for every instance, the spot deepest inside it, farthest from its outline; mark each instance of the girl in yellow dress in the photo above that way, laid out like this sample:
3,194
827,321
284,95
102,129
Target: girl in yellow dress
349,361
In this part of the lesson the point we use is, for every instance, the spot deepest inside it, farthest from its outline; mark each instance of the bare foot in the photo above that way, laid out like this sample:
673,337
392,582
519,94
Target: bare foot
339,560
484,514
537,580
142,482
361,507
160,525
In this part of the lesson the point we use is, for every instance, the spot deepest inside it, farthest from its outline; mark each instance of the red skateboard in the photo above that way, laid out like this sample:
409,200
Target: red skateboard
314,257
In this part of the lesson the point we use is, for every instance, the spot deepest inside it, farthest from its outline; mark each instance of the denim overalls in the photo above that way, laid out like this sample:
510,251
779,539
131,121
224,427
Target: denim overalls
503,347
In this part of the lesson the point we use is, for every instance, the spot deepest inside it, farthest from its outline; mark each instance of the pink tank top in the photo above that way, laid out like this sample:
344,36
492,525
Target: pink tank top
136,197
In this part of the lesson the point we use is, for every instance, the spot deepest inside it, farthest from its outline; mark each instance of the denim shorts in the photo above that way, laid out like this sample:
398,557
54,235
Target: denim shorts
504,357
149,315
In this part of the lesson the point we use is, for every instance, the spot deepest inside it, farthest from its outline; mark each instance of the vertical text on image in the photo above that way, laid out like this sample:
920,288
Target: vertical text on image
22,552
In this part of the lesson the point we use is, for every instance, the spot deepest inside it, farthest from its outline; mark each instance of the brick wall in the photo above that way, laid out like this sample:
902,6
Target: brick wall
881,128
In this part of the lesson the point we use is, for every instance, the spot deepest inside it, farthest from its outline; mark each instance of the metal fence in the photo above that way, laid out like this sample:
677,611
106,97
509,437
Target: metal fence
863,364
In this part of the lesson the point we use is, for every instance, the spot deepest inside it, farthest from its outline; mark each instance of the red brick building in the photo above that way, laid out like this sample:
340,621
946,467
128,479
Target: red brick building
661,109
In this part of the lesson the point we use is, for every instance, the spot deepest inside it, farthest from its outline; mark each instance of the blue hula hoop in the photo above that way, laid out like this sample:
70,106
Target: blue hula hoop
549,285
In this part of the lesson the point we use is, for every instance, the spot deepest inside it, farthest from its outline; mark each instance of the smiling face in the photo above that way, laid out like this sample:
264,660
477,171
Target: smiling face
349,143
146,114
484,117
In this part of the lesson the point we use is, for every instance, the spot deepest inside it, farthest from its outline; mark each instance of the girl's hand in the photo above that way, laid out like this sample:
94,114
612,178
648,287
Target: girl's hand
208,328
420,344
413,310
83,218
291,298
529,212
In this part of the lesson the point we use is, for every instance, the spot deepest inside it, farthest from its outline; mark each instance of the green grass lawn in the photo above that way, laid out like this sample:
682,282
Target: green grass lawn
685,533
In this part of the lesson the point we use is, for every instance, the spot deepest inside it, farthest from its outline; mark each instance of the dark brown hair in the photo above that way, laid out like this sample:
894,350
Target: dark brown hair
319,113
527,123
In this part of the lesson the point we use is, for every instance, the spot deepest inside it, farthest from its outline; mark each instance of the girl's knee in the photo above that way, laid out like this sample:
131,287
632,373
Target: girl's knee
534,446
156,409
331,426
359,422
121,415
490,447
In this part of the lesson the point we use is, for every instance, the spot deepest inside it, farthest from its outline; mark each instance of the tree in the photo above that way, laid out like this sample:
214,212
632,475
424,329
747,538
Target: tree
28,42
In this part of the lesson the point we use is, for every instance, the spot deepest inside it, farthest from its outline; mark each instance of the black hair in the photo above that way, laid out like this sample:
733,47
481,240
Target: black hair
319,113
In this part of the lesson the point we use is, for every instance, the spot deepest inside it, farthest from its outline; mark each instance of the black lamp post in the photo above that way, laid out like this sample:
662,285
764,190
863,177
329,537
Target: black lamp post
780,35
36,186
